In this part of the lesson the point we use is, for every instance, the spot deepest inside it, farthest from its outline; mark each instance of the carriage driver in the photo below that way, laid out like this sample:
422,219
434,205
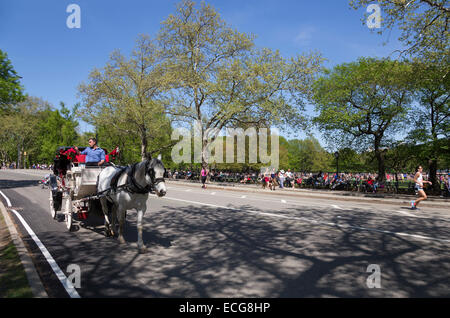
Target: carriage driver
95,156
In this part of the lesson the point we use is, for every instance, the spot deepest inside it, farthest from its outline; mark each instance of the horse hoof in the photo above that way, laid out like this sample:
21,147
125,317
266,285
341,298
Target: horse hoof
121,240
108,234
142,250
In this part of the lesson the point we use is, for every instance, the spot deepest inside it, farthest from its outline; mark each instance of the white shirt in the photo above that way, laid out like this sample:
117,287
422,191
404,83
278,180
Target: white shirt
420,180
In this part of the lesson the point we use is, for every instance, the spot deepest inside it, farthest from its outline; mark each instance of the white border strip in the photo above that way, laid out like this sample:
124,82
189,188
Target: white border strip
70,289
6,198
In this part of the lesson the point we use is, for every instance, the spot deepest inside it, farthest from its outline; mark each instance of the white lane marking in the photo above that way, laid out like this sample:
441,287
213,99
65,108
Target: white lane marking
233,209
313,221
308,203
408,214
337,207
259,199
188,190
283,201
213,193
51,261
6,198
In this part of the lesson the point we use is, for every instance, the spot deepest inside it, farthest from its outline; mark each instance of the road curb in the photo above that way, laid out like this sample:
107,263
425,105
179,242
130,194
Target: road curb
34,281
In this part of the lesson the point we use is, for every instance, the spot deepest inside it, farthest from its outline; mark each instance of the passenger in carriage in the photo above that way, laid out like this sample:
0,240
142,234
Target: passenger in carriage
95,156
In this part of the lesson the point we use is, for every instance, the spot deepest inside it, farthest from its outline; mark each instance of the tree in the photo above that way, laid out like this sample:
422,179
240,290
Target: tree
423,23
308,155
431,117
350,161
123,97
220,80
56,128
21,128
11,92
361,104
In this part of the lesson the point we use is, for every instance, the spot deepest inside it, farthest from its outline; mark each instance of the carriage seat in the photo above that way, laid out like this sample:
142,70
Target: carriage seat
82,158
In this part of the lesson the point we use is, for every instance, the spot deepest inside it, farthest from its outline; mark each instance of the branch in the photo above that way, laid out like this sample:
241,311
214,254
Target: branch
437,5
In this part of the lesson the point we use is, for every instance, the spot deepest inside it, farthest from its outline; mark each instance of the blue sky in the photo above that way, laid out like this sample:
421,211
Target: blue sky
53,59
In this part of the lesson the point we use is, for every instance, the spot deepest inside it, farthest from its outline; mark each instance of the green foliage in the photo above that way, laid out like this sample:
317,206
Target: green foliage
431,116
361,104
32,127
423,25
11,92
308,155
122,100
352,161
21,130
218,78
56,130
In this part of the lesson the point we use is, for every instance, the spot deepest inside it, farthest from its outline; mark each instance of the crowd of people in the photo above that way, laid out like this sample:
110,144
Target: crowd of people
362,182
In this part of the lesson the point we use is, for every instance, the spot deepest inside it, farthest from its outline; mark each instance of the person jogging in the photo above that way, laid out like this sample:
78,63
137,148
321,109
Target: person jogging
418,179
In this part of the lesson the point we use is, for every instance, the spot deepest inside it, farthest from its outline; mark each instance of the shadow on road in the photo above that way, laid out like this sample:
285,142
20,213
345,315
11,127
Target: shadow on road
10,184
211,252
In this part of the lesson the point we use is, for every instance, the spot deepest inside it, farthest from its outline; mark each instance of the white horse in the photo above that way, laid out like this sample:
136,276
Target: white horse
130,191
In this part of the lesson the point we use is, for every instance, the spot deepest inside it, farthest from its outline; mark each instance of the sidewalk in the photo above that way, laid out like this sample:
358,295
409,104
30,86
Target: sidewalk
385,198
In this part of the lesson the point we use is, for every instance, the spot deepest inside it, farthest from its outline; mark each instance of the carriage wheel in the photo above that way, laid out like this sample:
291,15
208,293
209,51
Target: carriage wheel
52,206
68,212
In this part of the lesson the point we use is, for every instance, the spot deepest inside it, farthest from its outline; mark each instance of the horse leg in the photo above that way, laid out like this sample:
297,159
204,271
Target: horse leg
104,204
114,219
140,215
121,213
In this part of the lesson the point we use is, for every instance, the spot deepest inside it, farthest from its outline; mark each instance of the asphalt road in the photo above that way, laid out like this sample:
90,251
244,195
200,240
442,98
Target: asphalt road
218,243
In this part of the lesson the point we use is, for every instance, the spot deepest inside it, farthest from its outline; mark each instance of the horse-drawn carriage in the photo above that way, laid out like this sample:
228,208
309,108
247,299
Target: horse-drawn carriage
73,185
77,189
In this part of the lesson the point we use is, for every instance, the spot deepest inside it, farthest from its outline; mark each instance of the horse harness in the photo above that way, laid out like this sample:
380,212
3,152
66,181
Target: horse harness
131,185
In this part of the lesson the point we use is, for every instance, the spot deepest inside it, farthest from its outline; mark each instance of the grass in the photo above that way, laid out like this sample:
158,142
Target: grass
13,280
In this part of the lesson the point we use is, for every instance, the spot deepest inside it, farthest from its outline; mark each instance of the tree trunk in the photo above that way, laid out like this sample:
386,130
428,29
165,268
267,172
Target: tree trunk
205,164
144,146
396,182
19,157
436,188
380,159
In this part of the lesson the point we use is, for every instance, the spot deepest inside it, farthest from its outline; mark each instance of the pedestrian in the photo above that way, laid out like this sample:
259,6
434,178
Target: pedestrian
448,183
418,179
281,176
273,180
204,175
291,177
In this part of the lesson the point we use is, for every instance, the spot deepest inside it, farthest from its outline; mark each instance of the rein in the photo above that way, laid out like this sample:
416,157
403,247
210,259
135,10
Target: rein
132,186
